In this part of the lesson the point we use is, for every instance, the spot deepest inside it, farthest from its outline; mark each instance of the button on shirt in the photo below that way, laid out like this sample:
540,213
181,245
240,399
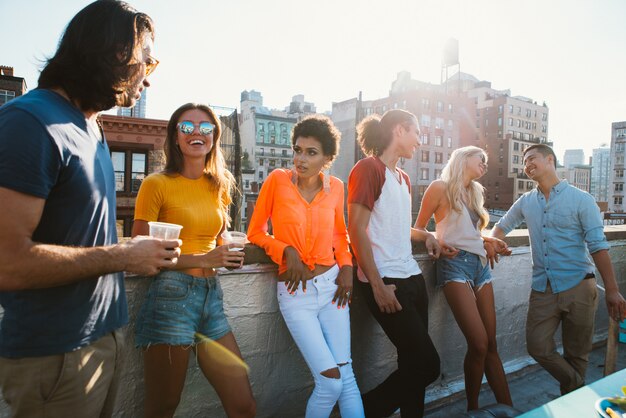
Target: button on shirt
564,231
317,230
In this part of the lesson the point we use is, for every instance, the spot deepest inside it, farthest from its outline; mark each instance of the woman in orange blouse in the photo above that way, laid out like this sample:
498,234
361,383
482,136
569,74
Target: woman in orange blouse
193,191
310,245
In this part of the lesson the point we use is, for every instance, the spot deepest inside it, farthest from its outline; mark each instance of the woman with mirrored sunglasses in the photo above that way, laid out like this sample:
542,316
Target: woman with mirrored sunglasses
194,191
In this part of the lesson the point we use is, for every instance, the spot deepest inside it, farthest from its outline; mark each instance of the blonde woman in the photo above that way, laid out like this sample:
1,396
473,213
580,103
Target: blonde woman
457,201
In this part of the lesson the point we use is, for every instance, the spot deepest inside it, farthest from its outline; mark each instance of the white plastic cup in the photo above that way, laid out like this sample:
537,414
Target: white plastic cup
238,239
163,230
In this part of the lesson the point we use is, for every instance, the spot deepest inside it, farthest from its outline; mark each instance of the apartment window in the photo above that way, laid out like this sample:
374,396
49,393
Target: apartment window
438,141
130,168
261,161
438,158
619,187
501,158
437,173
284,135
544,117
6,95
520,184
424,174
499,121
425,103
421,190
261,151
528,113
510,108
450,108
496,197
500,109
516,159
284,164
284,153
478,123
449,142
260,175
425,120
450,123
619,146
515,146
425,156
617,200
619,174
246,184
519,110
544,129
500,171
486,122
424,139
510,121
439,123
272,163
439,106
530,185
272,152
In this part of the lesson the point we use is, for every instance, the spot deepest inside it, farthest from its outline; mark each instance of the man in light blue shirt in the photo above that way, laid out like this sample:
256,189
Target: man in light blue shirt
566,232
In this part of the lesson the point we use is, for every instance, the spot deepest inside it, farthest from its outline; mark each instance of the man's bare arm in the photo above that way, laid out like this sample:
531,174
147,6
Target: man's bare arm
25,264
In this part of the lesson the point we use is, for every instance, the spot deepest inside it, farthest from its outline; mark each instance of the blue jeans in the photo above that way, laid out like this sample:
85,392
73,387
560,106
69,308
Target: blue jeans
464,268
177,306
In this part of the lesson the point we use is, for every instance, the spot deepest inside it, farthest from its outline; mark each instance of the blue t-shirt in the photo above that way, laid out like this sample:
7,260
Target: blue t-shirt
48,150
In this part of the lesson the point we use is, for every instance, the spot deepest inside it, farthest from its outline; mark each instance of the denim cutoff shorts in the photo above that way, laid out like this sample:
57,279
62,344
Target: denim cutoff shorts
464,268
177,306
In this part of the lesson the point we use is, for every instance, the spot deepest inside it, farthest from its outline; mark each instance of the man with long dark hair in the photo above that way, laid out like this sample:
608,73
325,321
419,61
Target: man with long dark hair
61,286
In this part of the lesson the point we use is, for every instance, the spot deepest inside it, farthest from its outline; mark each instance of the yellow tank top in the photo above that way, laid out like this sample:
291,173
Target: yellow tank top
179,200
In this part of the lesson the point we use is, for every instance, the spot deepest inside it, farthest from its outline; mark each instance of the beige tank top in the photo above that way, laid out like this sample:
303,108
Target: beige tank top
460,231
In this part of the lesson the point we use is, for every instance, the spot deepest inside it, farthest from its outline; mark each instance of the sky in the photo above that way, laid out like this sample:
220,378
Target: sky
568,53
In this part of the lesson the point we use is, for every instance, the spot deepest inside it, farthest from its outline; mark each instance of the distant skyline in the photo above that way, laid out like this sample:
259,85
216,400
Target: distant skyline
566,53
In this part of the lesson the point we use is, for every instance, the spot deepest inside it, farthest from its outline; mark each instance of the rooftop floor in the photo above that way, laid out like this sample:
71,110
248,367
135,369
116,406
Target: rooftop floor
530,387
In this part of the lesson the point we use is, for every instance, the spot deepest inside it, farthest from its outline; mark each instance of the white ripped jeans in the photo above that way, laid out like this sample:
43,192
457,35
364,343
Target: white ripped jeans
322,333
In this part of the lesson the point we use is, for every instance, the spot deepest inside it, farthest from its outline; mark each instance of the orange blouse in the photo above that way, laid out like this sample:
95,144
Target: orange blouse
317,230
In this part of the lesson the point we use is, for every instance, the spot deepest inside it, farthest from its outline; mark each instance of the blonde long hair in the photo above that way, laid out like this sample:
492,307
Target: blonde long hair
453,176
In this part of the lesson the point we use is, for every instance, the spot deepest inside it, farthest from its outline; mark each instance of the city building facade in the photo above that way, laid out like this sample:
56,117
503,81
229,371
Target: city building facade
577,175
265,141
11,86
573,157
137,111
506,125
600,174
459,112
618,148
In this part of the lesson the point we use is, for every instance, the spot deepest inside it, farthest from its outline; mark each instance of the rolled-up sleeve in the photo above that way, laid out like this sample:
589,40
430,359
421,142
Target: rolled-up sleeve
593,227
513,217
341,244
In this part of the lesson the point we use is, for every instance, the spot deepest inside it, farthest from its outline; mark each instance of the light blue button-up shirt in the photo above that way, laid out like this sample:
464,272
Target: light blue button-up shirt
564,231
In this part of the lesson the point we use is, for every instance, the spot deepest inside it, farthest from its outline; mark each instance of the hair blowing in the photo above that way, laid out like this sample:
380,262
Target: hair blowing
453,175
214,164
93,61
375,133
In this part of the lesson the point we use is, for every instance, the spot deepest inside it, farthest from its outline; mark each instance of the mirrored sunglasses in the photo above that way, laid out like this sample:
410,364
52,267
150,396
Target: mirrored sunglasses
187,127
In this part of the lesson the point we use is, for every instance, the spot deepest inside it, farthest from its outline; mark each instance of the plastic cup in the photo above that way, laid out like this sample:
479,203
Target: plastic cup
238,239
164,230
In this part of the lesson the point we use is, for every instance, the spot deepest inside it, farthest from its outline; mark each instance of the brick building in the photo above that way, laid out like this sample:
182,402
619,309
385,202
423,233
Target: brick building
10,85
136,150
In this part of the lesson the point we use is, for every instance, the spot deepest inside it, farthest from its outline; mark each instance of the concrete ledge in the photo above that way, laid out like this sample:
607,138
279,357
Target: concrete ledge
280,379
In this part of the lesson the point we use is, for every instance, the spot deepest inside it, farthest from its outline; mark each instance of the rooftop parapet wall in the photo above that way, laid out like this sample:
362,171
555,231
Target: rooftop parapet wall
280,379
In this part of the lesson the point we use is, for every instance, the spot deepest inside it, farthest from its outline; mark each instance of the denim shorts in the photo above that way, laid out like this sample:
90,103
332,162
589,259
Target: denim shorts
464,268
177,306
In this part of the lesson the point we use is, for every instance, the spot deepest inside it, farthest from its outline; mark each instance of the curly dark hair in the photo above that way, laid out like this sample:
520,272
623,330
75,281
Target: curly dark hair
374,133
321,128
93,61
